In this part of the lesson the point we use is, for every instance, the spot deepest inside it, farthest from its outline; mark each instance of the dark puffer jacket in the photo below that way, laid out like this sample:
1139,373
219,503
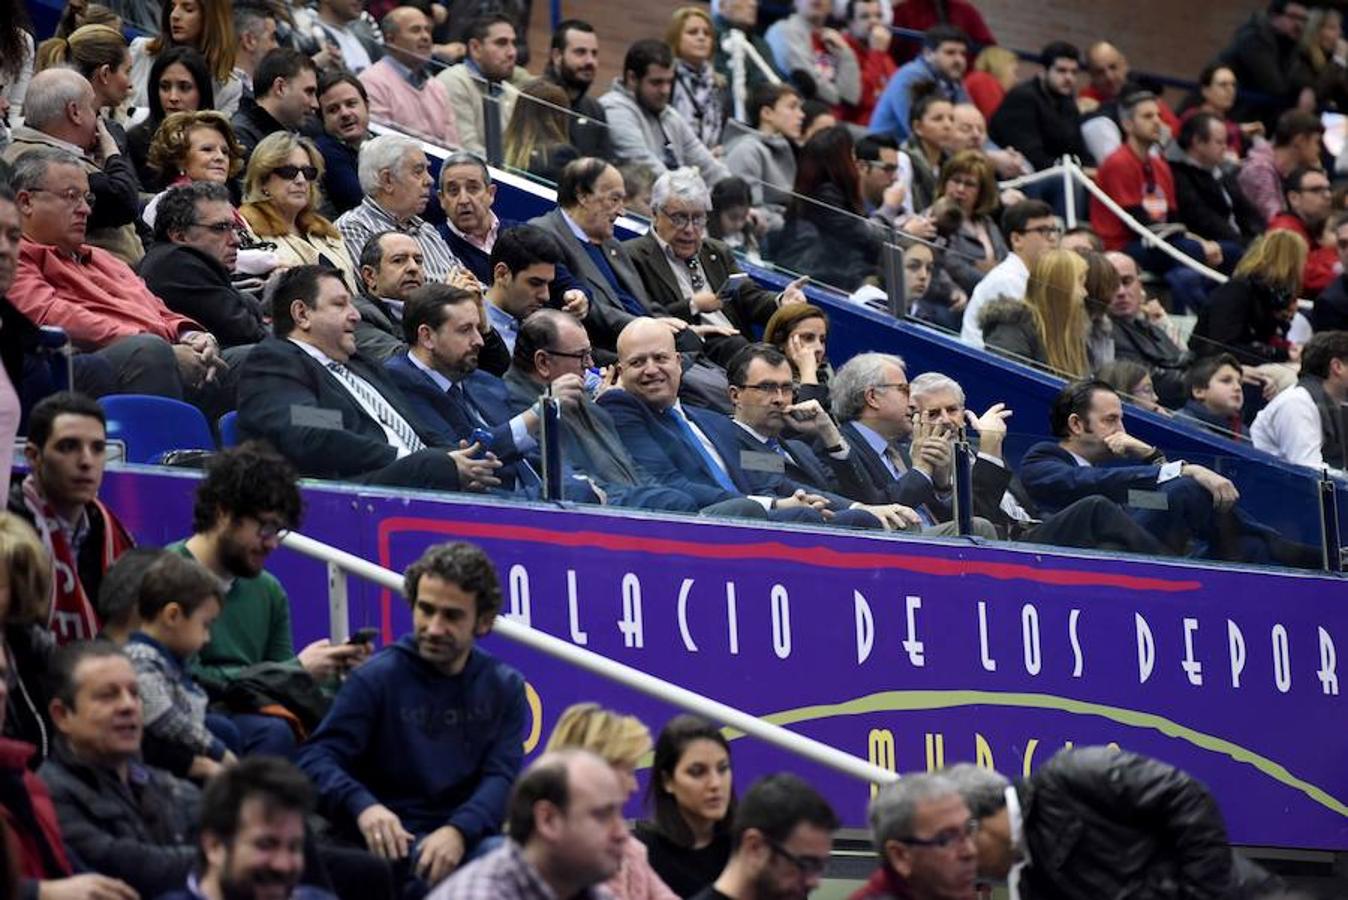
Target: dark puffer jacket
1106,823
1009,328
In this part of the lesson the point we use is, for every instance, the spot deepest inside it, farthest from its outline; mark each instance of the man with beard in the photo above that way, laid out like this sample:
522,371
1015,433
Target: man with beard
247,499
252,835
782,838
488,70
439,376
573,60
421,745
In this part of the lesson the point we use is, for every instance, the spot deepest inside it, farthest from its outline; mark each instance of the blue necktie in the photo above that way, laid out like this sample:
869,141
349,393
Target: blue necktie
708,461
776,447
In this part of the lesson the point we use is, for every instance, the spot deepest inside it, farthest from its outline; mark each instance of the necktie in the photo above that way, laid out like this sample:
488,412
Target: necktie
776,447
895,457
695,278
375,402
708,461
457,391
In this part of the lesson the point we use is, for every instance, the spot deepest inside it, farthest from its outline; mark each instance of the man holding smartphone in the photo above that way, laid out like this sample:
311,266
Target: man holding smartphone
693,277
247,500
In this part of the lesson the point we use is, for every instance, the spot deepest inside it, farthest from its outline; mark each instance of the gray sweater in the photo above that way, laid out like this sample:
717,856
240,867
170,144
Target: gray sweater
641,137
768,164
793,49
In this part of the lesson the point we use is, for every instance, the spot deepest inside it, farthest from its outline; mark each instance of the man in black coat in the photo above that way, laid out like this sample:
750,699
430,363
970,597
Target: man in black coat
1039,117
196,244
332,413
1263,56
687,275
1211,203
286,88
1102,822
1138,338
573,62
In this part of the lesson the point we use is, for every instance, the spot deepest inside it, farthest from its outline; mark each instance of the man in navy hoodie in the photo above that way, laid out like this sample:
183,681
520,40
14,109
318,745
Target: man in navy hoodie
422,743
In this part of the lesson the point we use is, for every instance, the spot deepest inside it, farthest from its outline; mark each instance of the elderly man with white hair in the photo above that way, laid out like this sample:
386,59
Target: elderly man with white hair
396,179
61,112
694,277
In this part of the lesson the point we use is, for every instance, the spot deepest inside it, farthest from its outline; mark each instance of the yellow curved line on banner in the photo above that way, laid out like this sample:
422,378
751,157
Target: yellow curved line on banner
913,701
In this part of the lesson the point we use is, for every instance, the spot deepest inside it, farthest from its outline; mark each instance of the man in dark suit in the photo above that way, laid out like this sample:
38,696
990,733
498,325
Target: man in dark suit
553,349
688,275
761,391
334,414
590,197
522,275
392,266
1176,502
681,446
1211,203
439,376
904,463
190,262
1090,522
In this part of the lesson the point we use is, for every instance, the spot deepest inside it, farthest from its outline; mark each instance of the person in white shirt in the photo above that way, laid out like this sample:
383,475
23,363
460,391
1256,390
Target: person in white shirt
1032,229
1305,424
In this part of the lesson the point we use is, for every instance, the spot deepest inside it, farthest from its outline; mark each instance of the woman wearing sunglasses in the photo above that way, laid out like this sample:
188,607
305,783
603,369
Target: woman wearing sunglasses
280,194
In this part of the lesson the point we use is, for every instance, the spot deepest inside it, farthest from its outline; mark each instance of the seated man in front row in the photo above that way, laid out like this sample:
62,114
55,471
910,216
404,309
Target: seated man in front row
422,743
332,413
1095,455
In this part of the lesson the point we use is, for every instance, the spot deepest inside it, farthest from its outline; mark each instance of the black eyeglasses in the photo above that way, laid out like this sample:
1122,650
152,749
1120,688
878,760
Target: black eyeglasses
585,356
1045,230
887,167
288,172
787,388
945,838
217,227
808,865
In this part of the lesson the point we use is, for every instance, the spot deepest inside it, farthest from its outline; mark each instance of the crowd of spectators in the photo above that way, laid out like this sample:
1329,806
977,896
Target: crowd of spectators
210,214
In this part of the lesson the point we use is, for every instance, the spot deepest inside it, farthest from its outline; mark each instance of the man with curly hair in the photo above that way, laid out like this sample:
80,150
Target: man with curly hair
248,498
419,750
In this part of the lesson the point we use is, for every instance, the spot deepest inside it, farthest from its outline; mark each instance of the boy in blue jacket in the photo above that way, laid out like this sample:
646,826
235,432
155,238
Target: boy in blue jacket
423,742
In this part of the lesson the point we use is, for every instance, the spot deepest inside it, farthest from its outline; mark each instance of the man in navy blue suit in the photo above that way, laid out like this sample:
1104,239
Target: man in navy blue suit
763,393
525,265
688,448
439,376
1176,501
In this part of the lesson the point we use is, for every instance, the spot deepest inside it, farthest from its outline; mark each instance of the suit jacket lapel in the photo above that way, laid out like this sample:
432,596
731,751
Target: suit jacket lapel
648,251
582,264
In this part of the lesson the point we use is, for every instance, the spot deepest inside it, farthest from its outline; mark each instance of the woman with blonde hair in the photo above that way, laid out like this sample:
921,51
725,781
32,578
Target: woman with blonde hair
280,205
537,138
700,92
1050,326
99,53
621,741
204,25
1249,315
25,605
990,77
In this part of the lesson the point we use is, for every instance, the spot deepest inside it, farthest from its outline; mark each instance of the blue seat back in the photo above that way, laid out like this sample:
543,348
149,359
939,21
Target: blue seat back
152,426
228,426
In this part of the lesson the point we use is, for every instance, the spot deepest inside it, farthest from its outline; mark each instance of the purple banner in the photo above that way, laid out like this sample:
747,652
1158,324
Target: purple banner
910,654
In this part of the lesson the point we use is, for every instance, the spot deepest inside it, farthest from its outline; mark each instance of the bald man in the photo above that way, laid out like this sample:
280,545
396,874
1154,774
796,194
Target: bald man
1112,80
61,111
400,87
688,448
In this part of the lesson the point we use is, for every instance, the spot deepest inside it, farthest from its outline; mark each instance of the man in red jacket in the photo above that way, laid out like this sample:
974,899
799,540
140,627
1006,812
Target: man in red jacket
870,38
29,825
1308,198
95,297
1140,182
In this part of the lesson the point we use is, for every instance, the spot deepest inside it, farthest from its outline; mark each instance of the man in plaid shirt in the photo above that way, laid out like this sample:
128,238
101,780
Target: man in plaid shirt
566,836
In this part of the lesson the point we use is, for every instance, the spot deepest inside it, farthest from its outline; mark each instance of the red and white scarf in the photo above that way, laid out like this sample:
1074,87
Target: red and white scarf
72,617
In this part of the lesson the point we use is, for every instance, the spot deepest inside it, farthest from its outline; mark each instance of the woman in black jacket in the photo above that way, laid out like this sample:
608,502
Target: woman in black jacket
1249,315
827,235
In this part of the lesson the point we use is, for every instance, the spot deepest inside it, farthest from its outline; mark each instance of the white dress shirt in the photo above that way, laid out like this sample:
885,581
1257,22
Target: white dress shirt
1009,278
1290,429
394,439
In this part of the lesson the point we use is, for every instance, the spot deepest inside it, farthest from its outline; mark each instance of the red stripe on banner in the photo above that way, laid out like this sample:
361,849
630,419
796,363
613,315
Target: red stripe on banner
822,557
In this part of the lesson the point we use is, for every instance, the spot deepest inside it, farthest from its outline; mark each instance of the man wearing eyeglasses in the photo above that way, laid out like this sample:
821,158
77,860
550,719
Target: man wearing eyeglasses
925,837
782,838
1031,229
1308,199
189,265
99,301
694,277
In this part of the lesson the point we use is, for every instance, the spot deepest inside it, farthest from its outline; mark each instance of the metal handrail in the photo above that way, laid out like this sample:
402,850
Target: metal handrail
635,679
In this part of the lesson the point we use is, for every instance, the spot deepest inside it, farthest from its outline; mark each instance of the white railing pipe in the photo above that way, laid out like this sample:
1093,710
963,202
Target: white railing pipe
660,689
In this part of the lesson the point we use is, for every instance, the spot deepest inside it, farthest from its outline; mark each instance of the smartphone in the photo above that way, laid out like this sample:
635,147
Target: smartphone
363,636
483,437
733,284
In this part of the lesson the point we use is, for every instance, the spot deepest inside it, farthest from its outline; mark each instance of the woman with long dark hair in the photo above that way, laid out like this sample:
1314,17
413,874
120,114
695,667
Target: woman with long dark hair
692,804
16,61
206,26
826,234
181,84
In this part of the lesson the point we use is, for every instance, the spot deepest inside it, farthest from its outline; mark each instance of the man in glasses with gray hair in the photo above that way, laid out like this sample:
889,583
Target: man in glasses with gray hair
693,277
925,837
